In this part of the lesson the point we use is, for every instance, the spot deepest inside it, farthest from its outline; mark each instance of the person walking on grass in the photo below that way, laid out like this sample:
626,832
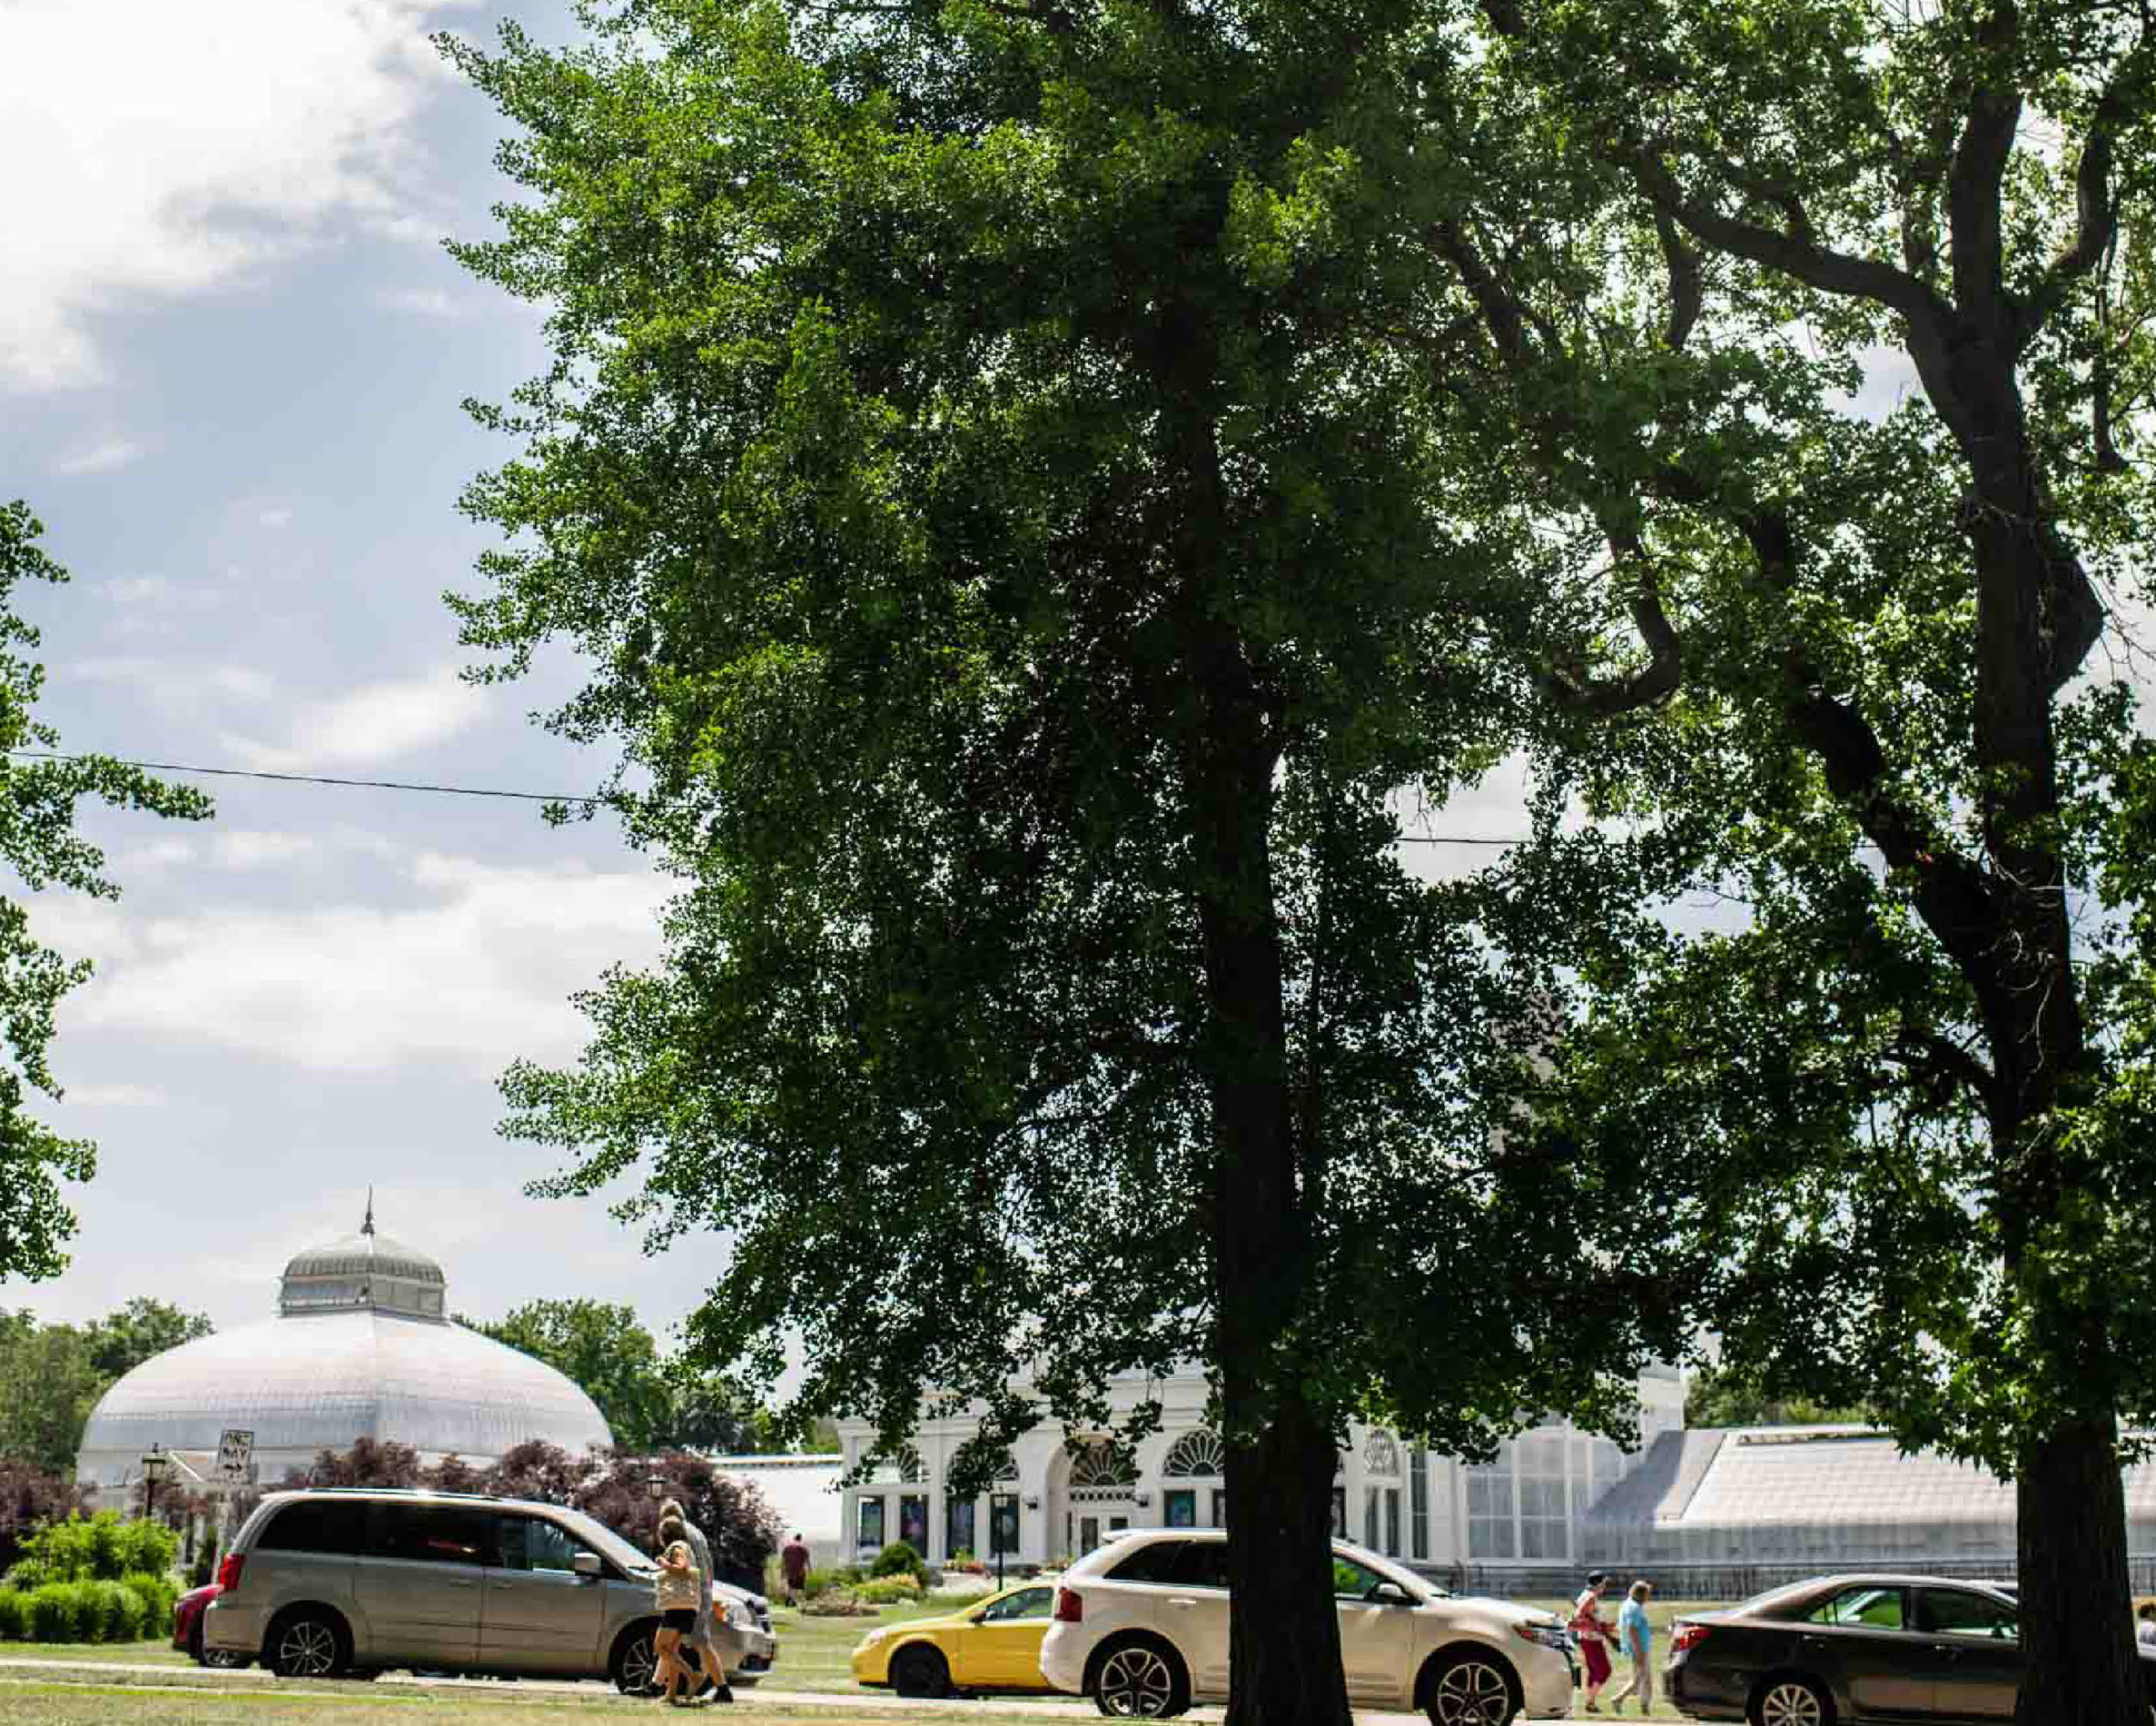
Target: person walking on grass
793,1566
1594,1632
699,1642
1635,1636
675,1596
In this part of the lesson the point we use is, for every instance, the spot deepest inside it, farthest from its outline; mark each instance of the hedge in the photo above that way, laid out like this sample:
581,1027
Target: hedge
99,1610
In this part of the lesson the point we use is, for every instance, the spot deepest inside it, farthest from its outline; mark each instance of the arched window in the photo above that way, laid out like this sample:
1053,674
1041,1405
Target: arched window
1380,1456
904,1469
1196,1456
1100,1464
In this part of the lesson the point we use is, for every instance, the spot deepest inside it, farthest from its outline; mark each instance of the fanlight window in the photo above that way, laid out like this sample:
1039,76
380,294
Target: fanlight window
904,1469
1196,1456
1380,1456
1102,1464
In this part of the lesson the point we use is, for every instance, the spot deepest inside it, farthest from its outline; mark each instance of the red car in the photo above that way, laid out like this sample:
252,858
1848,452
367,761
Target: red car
187,1628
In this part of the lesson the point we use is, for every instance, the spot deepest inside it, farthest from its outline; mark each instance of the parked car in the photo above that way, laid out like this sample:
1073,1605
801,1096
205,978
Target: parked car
187,1628
1854,1648
1141,1626
993,1645
324,1581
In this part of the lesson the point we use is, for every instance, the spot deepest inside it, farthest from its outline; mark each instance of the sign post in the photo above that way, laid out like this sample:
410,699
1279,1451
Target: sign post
235,1468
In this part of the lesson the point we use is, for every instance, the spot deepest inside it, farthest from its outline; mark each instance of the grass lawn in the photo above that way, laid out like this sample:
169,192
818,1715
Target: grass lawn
92,1704
813,1652
159,1651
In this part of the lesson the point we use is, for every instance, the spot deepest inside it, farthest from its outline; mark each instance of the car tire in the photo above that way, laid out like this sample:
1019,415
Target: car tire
1790,1699
1138,1678
308,1642
920,1671
1470,1687
635,1658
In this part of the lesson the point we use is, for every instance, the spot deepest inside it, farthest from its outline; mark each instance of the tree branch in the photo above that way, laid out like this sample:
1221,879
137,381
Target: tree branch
1687,286
1655,682
2097,220
1795,254
1978,171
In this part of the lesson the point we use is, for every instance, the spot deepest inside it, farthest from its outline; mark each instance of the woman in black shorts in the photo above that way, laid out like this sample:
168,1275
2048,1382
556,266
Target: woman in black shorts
676,1601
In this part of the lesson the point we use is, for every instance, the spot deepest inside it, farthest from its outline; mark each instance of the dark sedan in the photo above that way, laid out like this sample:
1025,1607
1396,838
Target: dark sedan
1855,1648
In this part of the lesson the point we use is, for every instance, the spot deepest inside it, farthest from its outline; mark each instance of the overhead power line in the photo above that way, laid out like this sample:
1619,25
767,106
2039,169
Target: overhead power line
320,779
48,754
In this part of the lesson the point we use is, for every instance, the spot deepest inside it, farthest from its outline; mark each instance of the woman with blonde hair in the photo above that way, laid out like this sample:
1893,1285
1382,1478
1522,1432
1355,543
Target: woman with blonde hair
676,1598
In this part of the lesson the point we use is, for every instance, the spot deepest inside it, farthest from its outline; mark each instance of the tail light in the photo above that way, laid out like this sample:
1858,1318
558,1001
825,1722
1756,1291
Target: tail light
228,1571
1687,1636
1069,1608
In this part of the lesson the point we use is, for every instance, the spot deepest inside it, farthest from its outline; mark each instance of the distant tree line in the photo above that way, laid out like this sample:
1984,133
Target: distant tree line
652,1400
52,1376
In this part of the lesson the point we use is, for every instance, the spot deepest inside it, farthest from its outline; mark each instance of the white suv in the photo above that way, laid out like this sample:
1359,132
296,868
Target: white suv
1141,1626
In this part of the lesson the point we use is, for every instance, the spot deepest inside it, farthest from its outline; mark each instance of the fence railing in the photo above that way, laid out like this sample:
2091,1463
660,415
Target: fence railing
1695,1581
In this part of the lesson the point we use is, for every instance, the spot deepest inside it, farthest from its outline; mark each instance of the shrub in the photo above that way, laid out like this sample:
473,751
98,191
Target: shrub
14,1615
883,1590
146,1548
157,1595
119,1610
84,1548
898,1558
55,1613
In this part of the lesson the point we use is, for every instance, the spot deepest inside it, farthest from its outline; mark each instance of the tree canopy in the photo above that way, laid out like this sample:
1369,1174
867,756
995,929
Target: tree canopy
38,841
1040,490
1021,588
52,1375
651,1401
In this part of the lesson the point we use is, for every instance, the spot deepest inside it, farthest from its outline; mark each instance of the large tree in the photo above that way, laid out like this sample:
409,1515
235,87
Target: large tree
39,842
1904,1097
1004,541
144,1327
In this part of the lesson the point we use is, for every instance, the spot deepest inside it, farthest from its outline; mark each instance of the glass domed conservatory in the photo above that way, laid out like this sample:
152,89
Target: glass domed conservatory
361,1347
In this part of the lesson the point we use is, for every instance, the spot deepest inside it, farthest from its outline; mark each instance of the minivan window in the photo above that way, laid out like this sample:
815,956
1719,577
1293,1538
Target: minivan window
436,1534
1155,1561
536,1543
318,1525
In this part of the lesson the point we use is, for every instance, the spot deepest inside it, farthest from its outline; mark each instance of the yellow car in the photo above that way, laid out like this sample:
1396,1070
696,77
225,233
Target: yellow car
993,1644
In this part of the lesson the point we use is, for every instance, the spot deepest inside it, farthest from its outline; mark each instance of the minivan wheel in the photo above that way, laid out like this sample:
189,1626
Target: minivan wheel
1470,1690
308,1644
1140,1681
1790,1701
635,1661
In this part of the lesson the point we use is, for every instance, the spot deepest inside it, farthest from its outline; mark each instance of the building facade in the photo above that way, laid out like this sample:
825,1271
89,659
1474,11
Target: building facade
1056,1500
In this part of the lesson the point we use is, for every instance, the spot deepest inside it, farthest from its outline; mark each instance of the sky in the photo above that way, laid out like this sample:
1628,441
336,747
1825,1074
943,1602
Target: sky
233,353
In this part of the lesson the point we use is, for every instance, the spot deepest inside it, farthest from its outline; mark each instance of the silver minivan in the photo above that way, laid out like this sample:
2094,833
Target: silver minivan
326,1580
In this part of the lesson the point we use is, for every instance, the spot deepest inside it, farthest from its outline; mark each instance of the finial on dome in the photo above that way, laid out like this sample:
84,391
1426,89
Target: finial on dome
367,1227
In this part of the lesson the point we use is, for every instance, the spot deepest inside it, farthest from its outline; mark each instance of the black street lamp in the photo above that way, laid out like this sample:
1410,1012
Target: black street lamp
154,1465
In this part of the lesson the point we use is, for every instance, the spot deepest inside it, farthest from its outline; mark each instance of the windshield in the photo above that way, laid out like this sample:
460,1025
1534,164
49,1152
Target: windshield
591,1529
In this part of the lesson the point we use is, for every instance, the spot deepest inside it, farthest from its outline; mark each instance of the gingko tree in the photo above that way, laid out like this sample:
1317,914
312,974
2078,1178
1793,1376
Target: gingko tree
38,841
1835,660
1024,575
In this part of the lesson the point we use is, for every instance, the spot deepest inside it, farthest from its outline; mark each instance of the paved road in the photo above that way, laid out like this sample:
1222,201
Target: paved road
754,1695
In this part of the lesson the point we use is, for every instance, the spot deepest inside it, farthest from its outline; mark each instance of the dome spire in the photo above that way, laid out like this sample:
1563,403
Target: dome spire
367,1227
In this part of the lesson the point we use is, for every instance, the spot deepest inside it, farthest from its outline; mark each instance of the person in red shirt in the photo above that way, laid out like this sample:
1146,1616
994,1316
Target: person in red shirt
793,1566
1595,1633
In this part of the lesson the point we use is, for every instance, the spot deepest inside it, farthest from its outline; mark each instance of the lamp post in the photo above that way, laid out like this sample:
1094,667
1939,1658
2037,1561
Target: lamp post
153,1470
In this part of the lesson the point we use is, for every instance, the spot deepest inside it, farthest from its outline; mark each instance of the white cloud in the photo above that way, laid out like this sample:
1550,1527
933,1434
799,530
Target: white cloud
474,978
168,149
140,589
375,722
274,518
114,452
113,1097
427,302
244,850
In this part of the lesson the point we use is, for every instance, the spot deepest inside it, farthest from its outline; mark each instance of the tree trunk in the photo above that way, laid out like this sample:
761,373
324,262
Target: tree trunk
2080,1661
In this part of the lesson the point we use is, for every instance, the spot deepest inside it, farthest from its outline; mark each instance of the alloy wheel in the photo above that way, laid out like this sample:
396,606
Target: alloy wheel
1136,1682
1791,1702
1471,1692
307,1650
639,1666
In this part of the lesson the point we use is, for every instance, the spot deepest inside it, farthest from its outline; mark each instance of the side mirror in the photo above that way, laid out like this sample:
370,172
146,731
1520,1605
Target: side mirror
1389,1594
587,1565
